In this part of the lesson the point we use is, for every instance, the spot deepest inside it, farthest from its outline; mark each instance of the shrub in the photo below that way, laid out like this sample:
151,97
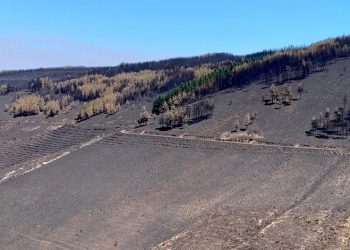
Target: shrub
97,106
64,101
6,107
144,117
111,108
4,89
52,108
86,111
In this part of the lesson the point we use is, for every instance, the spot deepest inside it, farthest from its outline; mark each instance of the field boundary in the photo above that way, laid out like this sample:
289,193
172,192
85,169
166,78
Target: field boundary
297,148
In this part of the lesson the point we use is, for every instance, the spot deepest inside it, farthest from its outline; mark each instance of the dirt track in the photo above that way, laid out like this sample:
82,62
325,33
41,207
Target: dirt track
196,141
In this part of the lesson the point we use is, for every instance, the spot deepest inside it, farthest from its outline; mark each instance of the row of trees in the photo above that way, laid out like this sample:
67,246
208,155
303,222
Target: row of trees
42,85
103,94
284,94
35,103
106,104
124,87
276,66
177,116
331,123
28,105
214,60
129,85
195,87
199,111
243,121
182,91
174,117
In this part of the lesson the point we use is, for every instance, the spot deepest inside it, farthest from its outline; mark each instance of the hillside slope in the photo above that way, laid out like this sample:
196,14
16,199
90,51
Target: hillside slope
108,182
278,123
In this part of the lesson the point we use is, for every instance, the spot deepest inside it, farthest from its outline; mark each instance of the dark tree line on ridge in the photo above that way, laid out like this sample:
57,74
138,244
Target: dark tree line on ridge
168,64
272,66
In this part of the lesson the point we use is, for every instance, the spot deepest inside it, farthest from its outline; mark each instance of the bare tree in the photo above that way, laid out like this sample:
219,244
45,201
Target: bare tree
300,89
247,120
273,93
287,94
315,123
236,125
144,117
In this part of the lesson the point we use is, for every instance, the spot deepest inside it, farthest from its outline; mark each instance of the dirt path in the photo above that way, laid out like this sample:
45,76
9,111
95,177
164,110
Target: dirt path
251,145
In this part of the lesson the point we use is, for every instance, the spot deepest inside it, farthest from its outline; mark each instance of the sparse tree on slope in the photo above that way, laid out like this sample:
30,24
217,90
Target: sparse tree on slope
288,93
247,120
52,108
144,117
300,89
236,125
273,93
315,123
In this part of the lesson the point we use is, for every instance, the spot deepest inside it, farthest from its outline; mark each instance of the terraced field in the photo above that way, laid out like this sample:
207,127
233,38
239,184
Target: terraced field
135,191
14,154
17,152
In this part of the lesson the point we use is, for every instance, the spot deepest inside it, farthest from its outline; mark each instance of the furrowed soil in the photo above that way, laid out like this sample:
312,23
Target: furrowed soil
136,200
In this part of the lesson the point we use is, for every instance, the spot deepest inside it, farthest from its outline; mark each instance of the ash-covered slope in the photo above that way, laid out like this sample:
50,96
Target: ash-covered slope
280,123
106,183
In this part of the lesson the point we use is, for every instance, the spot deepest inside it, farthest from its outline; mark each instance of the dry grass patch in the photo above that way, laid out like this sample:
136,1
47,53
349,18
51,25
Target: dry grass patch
242,136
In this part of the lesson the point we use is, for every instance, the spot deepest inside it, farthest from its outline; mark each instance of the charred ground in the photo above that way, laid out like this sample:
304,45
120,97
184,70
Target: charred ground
108,183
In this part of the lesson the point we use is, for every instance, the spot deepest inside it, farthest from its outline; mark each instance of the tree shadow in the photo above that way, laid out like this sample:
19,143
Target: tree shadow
163,128
199,119
140,125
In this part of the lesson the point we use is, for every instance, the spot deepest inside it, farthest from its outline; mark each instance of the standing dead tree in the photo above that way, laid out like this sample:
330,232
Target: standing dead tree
327,123
300,89
199,111
273,93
